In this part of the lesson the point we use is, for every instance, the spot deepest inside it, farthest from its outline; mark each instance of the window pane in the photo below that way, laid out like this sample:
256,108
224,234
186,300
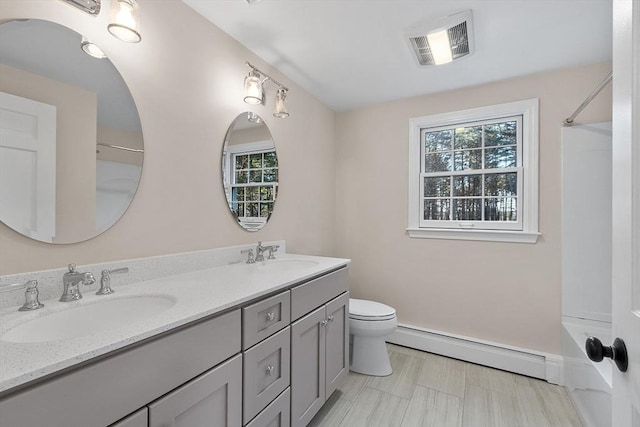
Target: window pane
270,175
500,209
255,161
255,176
500,157
253,193
438,141
437,162
266,193
240,193
252,209
270,159
500,134
266,209
242,162
439,186
468,159
240,211
467,185
501,184
437,209
470,137
467,209
241,177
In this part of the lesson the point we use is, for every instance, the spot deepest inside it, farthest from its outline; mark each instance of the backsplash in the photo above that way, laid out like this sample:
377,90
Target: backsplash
12,286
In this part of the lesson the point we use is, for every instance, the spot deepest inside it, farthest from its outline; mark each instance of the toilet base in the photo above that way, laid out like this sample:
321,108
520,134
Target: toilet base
371,356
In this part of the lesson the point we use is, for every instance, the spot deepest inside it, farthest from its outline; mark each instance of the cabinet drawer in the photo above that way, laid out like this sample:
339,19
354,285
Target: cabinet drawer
276,414
265,318
313,294
266,372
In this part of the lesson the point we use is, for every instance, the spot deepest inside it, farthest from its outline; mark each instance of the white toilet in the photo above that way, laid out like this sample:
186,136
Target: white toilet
369,323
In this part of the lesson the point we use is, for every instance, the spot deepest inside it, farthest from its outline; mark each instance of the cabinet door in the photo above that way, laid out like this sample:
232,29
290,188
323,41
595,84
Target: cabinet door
337,342
214,399
307,367
137,419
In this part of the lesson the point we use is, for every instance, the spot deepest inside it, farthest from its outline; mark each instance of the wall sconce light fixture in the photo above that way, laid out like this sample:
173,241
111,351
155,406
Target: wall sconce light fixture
254,91
89,6
124,18
124,21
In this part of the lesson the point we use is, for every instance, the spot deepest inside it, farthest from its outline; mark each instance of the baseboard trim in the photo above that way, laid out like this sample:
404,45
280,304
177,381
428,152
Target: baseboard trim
545,366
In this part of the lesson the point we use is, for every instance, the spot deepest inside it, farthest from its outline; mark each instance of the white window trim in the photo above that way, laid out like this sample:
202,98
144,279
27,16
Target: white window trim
529,111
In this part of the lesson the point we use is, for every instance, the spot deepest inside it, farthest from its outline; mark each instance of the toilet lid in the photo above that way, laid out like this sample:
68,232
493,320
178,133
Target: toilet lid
370,310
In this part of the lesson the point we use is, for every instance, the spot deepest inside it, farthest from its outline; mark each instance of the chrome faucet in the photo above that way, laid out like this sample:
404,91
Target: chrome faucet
71,281
105,280
260,250
31,297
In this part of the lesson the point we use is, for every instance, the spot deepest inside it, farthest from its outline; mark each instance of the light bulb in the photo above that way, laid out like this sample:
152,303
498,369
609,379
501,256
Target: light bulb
440,47
125,22
253,93
281,105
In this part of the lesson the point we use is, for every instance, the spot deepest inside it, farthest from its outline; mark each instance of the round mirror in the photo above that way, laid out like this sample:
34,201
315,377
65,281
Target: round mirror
70,137
250,171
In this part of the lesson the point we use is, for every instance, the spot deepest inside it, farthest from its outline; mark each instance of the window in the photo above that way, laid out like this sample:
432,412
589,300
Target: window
250,175
473,174
253,189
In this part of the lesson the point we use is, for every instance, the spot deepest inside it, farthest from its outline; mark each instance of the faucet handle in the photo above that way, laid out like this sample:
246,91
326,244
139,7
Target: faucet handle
273,249
105,280
31,297
250,258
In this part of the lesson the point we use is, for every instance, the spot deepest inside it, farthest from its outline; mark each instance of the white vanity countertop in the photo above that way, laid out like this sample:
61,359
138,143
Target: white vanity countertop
197,294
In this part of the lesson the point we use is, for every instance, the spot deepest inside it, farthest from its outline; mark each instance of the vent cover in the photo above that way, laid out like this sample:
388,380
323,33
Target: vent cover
458,28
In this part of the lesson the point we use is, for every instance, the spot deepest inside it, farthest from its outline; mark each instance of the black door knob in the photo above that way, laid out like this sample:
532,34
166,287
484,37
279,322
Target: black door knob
618,352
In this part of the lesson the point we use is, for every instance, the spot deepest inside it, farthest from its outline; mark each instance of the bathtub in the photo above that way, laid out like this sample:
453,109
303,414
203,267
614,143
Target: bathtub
588,383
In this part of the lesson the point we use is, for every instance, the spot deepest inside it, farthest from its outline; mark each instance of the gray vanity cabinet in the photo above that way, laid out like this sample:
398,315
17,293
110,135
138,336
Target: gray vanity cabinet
319,357
137,419
214,399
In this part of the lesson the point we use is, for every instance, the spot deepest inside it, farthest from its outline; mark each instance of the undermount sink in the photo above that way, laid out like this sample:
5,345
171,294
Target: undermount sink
85,319
288,264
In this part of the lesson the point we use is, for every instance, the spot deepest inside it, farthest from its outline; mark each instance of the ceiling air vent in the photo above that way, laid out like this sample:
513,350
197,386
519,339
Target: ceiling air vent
445,40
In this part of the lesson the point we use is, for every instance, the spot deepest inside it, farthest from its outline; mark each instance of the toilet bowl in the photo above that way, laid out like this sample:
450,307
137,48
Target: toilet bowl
370,323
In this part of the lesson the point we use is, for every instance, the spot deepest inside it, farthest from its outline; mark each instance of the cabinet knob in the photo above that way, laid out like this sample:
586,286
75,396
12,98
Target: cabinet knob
271,316
330,318
270,370
324,323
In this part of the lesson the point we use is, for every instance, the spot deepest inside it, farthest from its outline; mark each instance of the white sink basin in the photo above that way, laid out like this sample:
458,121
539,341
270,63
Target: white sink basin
84,319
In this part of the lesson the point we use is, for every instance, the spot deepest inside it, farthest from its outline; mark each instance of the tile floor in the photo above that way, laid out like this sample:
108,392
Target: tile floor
428,390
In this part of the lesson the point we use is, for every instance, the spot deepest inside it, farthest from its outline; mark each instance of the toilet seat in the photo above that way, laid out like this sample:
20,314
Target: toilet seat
360,309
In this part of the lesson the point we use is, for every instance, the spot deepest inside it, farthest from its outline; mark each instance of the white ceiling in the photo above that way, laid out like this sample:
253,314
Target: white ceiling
352,53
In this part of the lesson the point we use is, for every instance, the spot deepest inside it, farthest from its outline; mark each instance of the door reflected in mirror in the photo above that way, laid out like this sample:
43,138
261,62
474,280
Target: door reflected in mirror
250,171
71,146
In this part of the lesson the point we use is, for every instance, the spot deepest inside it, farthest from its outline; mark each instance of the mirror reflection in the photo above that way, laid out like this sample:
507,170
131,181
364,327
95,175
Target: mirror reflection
71,146
250,171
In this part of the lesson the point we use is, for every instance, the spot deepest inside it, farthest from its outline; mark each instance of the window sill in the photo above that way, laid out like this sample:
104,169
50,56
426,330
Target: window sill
483,235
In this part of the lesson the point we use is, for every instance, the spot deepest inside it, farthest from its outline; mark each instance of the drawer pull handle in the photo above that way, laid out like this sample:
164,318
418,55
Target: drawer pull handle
271,316
330,318
270,370
324,323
